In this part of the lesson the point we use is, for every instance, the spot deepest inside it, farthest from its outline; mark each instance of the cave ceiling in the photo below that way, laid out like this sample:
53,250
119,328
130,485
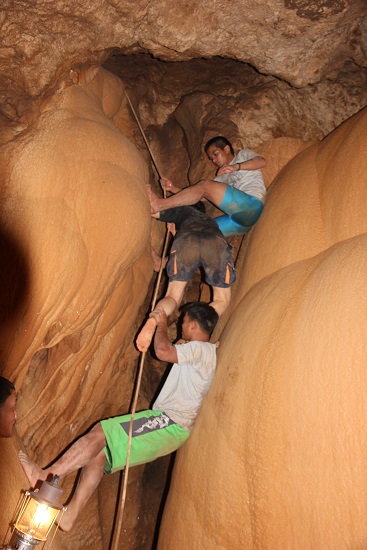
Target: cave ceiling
300,43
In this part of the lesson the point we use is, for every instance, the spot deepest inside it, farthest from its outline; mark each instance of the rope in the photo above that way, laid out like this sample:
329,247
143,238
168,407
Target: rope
143,134
122,500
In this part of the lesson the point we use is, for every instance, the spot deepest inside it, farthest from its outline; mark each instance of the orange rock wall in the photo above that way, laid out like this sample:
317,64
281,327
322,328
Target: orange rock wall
75,221
277,458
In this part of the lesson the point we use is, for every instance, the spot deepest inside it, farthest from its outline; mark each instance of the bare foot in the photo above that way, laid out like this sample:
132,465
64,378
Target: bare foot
157,261
31,470
145,336
153,199
67,521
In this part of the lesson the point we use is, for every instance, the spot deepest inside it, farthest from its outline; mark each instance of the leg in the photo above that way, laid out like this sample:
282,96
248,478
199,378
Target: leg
229,227
90,478
80,454
221,299
242,212
211,190
169,304
220,272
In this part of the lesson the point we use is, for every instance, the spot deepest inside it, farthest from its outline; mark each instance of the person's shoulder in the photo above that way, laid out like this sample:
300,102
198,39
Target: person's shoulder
197,344
205,353
203,346
246,151
200,342
197,355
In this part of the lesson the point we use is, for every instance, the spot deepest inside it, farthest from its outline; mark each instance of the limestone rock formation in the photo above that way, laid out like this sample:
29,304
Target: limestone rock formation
181,105
299,41
73,199
282,429
75,234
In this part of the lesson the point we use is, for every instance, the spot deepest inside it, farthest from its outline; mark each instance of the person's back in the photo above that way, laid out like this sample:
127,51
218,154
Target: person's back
188,220
188,382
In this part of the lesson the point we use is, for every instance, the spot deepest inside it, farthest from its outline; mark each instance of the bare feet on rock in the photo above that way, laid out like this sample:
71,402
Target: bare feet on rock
66,521
33,472
153,199
156,261
145,336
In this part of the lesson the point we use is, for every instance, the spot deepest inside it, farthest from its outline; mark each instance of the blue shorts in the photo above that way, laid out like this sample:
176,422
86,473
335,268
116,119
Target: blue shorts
241,212
154,434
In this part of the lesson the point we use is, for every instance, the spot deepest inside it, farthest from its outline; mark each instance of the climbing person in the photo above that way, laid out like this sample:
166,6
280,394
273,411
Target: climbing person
238,188
198,242
155,432
8,412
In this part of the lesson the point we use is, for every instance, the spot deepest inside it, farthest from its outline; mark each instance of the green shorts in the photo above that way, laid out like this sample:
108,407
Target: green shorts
154,435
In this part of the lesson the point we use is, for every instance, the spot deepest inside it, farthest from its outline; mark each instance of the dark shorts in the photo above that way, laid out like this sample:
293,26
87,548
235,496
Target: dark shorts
242,212
154,435
213,254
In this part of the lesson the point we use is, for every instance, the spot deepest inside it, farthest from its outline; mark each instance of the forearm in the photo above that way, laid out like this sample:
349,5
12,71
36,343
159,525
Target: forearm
164,349
161,340
255,163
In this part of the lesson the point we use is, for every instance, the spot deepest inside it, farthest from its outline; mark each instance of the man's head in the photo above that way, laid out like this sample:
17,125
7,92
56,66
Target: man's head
8,413
219,150
200,313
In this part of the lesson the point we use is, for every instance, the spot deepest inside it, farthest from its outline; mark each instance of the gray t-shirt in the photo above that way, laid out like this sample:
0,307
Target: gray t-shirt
248,181
188,382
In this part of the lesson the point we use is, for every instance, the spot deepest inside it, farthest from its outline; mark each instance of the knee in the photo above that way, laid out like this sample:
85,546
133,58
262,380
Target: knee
204,185
97,435
97,428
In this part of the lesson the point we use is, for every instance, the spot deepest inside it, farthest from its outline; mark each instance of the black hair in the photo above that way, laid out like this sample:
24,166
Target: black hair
6,389
199,206
204,314
218,141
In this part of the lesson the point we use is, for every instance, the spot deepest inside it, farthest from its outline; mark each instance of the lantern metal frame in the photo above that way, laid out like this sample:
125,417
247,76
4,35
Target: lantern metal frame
45,496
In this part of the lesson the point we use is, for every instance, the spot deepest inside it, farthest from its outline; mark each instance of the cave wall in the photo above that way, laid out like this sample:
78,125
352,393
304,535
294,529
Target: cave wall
282,429
181,105
75,230
298,41
73,199
76,225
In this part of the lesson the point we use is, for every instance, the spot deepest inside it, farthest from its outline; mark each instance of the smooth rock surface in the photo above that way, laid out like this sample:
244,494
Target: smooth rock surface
282,429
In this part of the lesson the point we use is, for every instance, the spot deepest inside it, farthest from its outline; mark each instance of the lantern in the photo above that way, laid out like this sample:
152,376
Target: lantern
38,513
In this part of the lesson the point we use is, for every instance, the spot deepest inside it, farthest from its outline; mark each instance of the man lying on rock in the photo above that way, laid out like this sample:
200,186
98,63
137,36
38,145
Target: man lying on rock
156,432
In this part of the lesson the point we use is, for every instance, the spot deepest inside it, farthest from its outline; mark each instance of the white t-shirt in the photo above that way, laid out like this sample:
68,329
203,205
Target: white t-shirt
248,181
188,382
